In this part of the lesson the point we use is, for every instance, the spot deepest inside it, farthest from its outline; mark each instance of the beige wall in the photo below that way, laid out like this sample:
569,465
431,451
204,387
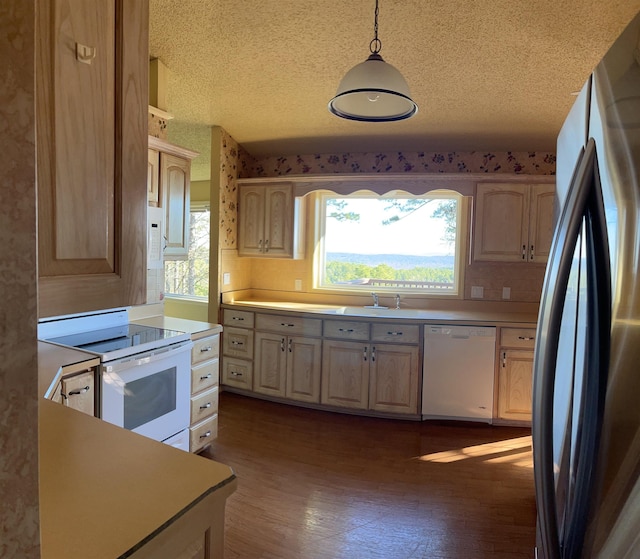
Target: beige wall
19,524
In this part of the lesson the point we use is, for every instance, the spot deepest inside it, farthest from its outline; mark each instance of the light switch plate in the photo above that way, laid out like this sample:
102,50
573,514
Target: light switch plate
506,293
477,292
298,285
226,278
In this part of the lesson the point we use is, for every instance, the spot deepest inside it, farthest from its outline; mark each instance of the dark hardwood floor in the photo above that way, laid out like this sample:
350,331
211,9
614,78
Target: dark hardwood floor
321,485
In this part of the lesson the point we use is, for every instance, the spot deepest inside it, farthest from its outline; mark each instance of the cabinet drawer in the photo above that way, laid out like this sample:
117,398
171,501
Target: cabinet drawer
237,373
346,329
203,405
204,376
201,434
237,342
289,324
205,348
78,392
243,319
518,337
404,333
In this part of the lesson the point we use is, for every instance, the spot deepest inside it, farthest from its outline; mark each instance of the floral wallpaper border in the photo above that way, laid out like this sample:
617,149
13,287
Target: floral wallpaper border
532,163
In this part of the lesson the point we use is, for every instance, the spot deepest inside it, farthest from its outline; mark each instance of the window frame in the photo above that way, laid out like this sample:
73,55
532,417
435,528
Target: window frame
195,206
461,244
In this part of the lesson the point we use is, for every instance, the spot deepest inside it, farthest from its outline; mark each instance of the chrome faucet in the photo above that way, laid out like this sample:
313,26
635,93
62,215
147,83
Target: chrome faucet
397,300
376,302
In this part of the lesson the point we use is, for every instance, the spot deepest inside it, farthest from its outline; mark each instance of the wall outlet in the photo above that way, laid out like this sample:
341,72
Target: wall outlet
226,278
477,292
298,285
506,293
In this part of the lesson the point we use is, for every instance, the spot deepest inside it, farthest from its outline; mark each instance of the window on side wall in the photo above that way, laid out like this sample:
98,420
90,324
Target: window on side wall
190,278
397,242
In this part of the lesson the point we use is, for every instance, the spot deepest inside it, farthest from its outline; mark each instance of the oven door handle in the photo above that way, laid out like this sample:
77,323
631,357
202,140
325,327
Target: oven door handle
148,357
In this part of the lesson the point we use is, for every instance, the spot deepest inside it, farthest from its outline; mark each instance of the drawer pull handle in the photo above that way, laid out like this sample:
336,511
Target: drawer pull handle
205,377
206,435
206,406
236,342
527,338
287,324
237,318
345,329
78,391
394,333
235,374
205,349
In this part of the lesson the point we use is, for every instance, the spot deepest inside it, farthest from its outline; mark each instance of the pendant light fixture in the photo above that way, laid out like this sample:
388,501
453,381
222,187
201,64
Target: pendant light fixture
373,91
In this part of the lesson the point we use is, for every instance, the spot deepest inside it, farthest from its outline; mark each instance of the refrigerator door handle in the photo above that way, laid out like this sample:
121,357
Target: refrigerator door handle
546,349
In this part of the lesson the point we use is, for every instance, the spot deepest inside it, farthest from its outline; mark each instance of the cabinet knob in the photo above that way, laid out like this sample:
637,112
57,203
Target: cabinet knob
236,342
527,338
205,435
394,333
205,349
235,374
205,377
237,318
348,330
206,406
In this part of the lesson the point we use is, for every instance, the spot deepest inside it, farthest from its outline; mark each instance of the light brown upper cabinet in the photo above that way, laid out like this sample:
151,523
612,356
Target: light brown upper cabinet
267,221
513,222
173,193
91,115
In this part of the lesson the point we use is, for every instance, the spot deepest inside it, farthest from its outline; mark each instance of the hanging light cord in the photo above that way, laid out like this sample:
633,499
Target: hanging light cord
376,44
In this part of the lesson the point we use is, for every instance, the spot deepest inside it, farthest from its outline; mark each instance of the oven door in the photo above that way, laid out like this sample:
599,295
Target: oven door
149,393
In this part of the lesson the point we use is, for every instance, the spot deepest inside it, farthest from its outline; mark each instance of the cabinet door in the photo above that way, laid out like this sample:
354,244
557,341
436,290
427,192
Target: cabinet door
303,369
92,100
515,390
278,221
394,378
237,342
251,221
270,374
345,374
78,392
501,222
175,181
153,177
541,222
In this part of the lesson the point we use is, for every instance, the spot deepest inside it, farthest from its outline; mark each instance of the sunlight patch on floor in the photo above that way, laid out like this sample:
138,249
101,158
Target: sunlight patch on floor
516,452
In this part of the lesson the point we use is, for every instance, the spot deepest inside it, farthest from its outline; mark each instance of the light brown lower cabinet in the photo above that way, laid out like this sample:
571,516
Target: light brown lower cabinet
77,391
205,357
345,374
515,375
515,378
196,534
394,378
287,366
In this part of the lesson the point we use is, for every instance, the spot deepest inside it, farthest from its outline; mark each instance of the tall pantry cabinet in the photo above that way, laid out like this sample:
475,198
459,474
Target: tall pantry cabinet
91,117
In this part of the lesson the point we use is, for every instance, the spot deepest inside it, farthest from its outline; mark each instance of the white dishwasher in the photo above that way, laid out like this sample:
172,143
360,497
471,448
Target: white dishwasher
458,372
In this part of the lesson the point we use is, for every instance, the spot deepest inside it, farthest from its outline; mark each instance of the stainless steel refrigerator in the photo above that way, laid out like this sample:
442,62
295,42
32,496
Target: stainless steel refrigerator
586,403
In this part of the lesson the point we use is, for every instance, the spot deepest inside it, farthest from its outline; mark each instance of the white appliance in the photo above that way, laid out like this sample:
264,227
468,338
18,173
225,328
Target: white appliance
586,390
458,372
145,372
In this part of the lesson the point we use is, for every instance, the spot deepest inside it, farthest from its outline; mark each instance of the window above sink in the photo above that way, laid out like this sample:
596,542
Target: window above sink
392,243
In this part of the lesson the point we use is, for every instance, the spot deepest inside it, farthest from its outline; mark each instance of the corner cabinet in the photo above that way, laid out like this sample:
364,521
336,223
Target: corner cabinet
268,216
513,222
91,135
169,183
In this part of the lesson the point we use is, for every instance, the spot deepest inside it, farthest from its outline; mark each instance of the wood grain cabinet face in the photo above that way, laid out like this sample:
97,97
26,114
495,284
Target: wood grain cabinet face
345,374
266,221
515,376
205,362
175,184
91,96
394,378
78,391
513,222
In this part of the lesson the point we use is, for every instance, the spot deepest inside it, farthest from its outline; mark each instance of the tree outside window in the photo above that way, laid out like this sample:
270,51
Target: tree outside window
190,277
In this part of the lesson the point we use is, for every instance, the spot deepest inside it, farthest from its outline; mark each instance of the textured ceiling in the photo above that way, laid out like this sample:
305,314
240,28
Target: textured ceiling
486,74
